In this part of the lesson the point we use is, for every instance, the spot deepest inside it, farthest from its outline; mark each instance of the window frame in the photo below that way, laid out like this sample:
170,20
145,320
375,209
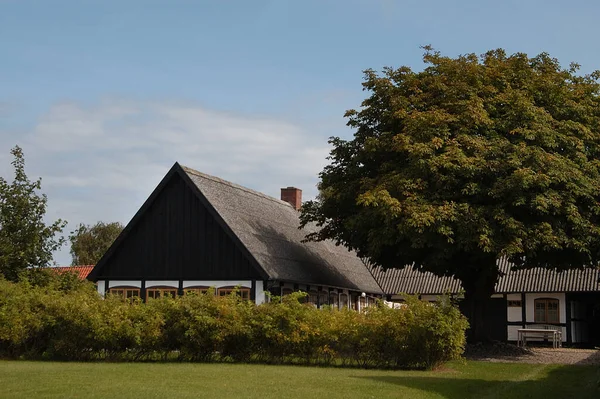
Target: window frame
243,292
514,303
335,303
199,290
354,298
313,298
344,298
323,295
546,302
124,291
161,290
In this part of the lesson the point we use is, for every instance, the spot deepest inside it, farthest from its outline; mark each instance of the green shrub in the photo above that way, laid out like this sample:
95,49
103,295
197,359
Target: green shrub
69,326
287,330
235,324
18,321
58,318
436,332
192,326
46,315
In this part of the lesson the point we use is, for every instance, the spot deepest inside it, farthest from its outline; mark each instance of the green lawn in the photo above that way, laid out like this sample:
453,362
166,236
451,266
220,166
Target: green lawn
20,379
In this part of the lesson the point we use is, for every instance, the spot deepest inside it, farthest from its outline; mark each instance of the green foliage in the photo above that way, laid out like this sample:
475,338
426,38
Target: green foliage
285,328
57,320
25,240
471,159
191,325
46,314
89,243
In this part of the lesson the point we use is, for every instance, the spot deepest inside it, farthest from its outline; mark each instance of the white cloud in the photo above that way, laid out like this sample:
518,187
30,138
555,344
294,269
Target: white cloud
101,162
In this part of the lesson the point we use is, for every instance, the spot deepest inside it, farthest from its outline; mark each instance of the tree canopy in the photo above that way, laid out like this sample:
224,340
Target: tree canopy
471,159
89,243
25,239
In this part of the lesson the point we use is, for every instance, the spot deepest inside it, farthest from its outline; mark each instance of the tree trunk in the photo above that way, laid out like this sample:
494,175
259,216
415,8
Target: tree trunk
478,280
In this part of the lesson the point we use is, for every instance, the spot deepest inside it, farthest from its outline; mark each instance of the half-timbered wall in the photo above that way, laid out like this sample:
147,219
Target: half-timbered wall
177,238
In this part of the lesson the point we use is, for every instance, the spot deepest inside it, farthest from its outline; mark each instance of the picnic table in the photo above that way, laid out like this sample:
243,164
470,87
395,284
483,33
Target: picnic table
540,332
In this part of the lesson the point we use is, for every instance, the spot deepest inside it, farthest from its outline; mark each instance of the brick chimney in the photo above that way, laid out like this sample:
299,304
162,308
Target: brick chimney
293,196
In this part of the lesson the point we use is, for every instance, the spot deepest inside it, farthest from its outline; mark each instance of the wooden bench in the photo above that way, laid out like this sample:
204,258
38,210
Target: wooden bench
540,331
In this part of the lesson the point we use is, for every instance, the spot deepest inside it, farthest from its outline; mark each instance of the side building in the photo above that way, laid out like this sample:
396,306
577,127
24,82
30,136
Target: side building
197,232
569,299
82,271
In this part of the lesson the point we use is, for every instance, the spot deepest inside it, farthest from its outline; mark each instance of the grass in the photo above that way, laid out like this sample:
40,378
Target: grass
23,379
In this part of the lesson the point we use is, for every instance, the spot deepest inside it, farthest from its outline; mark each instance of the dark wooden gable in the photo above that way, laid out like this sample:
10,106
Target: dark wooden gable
176,235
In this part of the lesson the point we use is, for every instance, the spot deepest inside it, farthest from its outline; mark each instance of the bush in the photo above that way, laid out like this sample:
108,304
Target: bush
191,326
58,318
286,330
436,332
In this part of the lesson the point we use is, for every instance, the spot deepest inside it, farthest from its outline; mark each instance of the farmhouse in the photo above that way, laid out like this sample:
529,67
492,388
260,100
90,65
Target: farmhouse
523,298
197,232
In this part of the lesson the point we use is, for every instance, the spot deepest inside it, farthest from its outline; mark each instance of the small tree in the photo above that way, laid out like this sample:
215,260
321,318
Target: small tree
89,243
471,159
25,240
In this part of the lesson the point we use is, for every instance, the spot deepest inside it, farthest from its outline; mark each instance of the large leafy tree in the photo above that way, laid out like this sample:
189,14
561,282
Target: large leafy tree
25,239
471,159
89,243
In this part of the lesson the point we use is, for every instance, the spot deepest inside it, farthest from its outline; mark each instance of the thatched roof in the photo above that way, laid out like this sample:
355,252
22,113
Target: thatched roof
269,229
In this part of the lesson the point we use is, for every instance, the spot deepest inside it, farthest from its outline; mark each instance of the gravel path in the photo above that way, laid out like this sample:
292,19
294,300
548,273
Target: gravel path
537,355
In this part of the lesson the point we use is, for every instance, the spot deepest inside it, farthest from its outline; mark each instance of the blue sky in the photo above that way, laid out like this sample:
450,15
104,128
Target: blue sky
104,96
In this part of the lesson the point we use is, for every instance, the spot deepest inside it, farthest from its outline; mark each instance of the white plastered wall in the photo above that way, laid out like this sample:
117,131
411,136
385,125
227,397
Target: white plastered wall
512,334
513,314
101,286
562,309
530,309
259,293
217,283
164,283
124,283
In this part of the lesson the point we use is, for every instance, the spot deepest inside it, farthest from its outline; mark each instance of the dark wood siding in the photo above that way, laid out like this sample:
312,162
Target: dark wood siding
177,238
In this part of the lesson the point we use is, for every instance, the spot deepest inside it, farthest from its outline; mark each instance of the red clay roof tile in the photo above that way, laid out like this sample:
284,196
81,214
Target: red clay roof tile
82,271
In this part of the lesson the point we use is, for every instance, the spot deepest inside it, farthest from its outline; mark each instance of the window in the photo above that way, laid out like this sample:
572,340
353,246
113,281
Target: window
313,298
125,292
363,302
514,304
343,301
546,310
333,299
286,291
199,290
354,301
242,292
323,298
371,301
159,292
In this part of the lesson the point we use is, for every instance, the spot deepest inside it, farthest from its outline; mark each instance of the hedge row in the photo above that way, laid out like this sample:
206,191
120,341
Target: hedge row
66,320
